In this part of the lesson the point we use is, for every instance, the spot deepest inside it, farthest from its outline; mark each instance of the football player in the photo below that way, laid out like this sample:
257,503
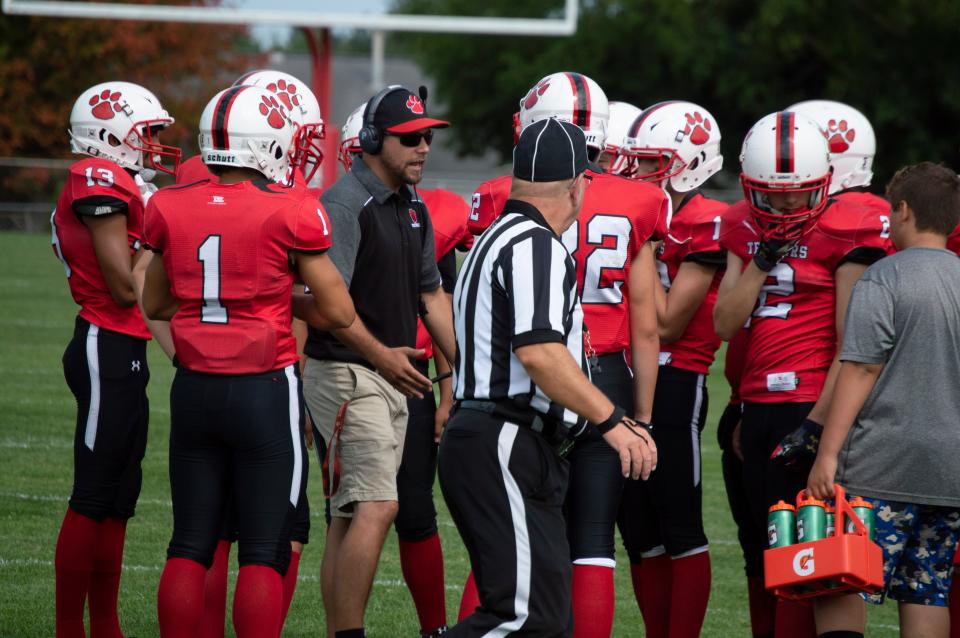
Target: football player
611,243
676,145
97,228
793,255
236,402
303,109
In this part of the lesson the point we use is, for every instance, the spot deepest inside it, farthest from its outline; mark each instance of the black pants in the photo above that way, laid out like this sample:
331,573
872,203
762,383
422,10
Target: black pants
505,488
762,427
596,483
664,513
107,373
752,539
417,515
242,436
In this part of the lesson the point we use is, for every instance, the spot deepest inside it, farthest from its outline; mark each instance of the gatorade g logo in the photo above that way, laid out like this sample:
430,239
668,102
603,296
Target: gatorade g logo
803,562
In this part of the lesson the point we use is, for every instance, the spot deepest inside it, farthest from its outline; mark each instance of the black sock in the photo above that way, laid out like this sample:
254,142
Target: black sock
841,634
350,633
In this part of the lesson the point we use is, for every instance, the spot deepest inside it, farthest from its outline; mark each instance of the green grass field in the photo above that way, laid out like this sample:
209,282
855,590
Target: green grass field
37,415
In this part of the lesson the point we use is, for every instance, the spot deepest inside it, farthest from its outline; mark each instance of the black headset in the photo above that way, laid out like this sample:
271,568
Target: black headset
371,137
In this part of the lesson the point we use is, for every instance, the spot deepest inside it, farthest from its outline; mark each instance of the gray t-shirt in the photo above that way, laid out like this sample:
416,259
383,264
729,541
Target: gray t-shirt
905,444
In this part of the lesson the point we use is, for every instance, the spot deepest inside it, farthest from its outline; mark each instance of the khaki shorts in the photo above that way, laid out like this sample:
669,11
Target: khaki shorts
371,444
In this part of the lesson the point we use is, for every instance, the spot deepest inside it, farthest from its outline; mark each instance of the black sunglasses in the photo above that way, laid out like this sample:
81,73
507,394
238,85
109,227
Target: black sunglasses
413,139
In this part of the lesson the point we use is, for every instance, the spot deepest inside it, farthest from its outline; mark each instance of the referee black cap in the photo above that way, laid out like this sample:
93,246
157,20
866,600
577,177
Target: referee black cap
550,150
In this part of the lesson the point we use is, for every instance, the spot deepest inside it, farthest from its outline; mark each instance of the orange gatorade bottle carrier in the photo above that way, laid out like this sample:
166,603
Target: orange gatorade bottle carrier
839,563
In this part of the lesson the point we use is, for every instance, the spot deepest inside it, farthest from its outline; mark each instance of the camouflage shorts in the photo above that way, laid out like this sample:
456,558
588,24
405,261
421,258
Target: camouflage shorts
919,542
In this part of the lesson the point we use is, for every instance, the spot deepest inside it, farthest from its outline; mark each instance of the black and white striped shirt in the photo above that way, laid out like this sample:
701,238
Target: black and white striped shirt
517,287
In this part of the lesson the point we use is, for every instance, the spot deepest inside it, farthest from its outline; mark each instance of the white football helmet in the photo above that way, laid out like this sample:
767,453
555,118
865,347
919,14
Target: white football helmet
785,153
303,108
571,97
850,137
247,127
622,115
350,137
683,137
120,121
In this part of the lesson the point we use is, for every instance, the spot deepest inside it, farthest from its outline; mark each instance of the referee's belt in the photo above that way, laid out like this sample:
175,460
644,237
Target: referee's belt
556,434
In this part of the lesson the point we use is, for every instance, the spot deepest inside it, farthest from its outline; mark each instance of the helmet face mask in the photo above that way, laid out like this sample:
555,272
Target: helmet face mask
350,138
622,115
120,121
785,154
683,138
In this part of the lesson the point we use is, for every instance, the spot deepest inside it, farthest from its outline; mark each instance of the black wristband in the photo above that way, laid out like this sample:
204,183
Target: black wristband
763,261
612,420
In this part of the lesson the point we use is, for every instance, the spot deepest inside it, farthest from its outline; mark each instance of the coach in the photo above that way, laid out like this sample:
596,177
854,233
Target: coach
522,392
355,379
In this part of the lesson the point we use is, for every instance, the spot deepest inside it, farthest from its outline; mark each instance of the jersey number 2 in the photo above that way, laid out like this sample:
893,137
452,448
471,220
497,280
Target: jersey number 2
782,285
208,255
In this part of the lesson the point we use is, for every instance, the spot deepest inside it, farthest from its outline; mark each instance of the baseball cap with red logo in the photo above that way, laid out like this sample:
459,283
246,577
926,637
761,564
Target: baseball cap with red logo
402,111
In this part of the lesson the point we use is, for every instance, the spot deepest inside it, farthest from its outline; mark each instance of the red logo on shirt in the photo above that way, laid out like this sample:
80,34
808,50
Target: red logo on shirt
414,220
415,105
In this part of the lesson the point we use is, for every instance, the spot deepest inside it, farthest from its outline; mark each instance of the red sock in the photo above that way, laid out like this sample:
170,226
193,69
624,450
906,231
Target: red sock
763,606
794,620
470,599
689,593
592,601
180,598
105,579
636,576
215,593
257,602
422,566
289,586
73,563
955,599
656,572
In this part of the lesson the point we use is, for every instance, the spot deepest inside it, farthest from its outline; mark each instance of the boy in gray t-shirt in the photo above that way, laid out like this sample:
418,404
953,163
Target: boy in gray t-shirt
893,431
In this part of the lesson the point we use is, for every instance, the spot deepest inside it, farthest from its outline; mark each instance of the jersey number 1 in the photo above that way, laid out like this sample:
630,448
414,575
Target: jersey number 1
208,255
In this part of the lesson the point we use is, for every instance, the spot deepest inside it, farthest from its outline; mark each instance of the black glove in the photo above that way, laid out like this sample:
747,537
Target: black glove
771,251
798,450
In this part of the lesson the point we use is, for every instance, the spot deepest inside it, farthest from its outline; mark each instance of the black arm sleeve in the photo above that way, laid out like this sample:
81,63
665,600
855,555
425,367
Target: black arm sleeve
714,258
448,271
99,205
863,255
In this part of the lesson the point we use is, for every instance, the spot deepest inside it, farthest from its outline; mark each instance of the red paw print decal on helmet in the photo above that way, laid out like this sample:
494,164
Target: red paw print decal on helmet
534,95
698,128
839,135
415,105
286,93
105,104
273,111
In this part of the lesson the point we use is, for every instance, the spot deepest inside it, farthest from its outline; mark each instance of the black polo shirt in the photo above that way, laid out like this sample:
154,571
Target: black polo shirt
383,247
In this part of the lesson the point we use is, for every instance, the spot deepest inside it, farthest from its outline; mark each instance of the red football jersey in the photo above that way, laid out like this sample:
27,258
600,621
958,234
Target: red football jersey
733,365
487,203
867,200
449,214
953,241
73,245
193,170
226,251
793,327
618,215
694,229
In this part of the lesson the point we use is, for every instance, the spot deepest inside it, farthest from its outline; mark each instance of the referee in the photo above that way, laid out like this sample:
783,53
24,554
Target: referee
518,325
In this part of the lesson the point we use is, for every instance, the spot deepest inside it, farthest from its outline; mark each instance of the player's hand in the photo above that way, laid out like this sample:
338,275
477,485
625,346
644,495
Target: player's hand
771,251
394,365
798,450
820,481
307,431
440,418
735,442
634,444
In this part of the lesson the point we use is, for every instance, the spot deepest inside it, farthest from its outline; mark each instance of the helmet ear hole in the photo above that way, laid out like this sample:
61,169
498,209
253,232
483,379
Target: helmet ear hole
113,141
277,152
694,163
